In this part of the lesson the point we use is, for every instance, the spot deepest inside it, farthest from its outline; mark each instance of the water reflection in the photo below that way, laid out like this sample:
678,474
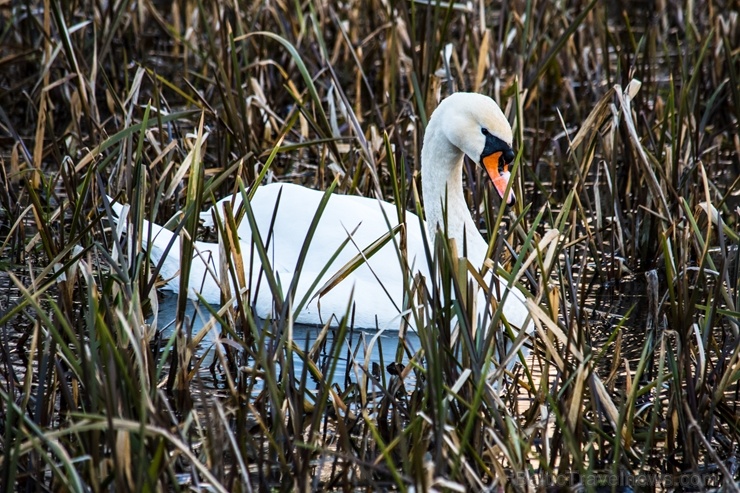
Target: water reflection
363,351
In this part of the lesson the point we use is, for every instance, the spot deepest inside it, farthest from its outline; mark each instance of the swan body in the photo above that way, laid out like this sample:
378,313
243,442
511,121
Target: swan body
463,123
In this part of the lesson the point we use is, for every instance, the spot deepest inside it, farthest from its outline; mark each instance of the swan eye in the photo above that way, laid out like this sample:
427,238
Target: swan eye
485,131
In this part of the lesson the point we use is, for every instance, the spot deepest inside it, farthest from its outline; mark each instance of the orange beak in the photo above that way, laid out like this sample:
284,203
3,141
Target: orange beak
500,180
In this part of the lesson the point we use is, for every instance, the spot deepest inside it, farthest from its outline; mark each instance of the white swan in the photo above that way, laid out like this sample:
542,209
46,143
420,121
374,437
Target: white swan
463,123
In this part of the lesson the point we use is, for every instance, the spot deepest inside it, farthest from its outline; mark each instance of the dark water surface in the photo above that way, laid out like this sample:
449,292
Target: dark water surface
623,304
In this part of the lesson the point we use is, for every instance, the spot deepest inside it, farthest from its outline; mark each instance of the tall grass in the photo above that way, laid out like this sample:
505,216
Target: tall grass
626,239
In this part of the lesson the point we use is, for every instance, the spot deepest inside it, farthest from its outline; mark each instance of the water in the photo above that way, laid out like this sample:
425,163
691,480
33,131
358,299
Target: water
363,351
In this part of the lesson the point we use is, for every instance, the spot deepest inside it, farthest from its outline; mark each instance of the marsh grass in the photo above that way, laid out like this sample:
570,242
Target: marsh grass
626,122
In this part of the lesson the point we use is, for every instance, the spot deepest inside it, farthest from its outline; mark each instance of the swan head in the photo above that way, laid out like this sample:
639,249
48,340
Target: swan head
475,124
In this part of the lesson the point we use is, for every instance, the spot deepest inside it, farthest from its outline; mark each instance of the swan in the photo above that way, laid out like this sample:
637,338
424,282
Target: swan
463,124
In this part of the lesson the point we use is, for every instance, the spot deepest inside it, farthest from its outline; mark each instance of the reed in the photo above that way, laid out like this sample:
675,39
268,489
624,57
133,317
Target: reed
625,238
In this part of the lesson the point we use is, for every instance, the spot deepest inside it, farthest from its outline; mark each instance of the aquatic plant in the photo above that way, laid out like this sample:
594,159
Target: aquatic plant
625,234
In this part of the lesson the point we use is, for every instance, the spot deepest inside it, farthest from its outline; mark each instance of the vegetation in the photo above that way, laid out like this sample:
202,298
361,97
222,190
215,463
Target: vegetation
626,122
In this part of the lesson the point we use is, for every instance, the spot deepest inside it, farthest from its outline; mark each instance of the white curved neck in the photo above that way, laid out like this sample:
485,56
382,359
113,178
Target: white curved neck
442,189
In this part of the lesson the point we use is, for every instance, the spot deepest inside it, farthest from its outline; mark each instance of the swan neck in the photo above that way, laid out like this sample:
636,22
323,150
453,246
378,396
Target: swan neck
442,189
